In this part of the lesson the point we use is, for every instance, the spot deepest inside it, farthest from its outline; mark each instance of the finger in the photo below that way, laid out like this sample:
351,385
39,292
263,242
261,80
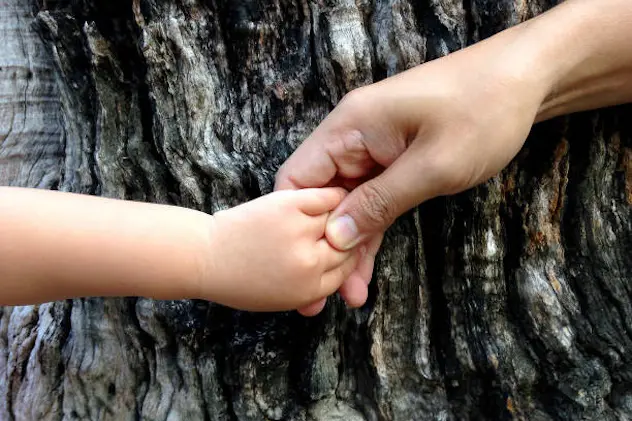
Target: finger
367,258
315,202
333,279
328,152
308,166
354,290
331,257
367,261
313,309
352,294
372,207
351,183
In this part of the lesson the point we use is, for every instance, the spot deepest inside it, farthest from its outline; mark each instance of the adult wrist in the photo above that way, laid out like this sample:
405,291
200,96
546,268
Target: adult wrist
580,48
543,55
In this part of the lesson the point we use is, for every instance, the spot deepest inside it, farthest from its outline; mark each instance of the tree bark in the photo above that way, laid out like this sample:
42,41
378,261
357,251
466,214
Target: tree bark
508,302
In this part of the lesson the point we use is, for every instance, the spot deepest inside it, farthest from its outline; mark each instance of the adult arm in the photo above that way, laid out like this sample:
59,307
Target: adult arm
454,122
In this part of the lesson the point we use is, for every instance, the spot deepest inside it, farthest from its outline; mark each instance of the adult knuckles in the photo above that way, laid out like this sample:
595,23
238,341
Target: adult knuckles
357,103
356,97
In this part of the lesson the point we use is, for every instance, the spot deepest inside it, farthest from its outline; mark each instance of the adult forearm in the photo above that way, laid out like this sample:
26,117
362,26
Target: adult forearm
58,245
584,48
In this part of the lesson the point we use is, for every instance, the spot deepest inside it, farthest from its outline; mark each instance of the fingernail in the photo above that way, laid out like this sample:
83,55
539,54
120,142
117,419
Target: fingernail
343,232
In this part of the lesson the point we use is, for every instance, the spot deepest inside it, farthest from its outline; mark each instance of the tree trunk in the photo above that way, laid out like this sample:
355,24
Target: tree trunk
510,301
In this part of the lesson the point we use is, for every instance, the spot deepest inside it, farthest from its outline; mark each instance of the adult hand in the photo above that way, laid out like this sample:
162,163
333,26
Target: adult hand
452,123
433,130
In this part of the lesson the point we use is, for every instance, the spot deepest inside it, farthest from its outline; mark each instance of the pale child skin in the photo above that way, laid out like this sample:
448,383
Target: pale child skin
268,254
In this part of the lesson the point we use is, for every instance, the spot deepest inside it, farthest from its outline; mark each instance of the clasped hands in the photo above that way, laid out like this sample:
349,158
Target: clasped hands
436,129
430,131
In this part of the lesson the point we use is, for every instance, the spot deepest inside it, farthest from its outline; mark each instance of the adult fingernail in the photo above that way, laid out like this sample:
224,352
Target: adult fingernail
343,232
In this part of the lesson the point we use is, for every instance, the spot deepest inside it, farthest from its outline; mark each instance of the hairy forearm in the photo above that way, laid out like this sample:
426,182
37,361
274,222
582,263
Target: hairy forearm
57,245
584,51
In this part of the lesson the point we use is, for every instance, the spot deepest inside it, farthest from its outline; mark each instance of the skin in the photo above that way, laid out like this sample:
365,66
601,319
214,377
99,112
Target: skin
269,254
452,123
434,130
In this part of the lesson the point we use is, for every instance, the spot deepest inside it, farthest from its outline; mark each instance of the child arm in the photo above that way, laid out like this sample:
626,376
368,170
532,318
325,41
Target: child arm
56,245
268,254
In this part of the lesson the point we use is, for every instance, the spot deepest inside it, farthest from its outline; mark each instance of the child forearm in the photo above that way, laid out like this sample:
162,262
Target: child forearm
57,245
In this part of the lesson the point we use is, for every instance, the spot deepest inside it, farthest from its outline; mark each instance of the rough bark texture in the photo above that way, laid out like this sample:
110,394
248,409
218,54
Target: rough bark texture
510,301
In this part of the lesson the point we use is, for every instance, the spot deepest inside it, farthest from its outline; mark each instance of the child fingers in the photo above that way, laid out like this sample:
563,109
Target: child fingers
313,309
333,279
317,225
331,257
315,202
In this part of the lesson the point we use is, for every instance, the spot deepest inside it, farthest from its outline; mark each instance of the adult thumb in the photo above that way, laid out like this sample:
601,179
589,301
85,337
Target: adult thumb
373,206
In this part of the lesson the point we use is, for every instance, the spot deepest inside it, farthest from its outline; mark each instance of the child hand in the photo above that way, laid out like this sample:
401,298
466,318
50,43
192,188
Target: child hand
270,254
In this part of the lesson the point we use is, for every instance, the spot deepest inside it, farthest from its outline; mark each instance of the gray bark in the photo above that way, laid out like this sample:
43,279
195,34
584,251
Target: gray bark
510,301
